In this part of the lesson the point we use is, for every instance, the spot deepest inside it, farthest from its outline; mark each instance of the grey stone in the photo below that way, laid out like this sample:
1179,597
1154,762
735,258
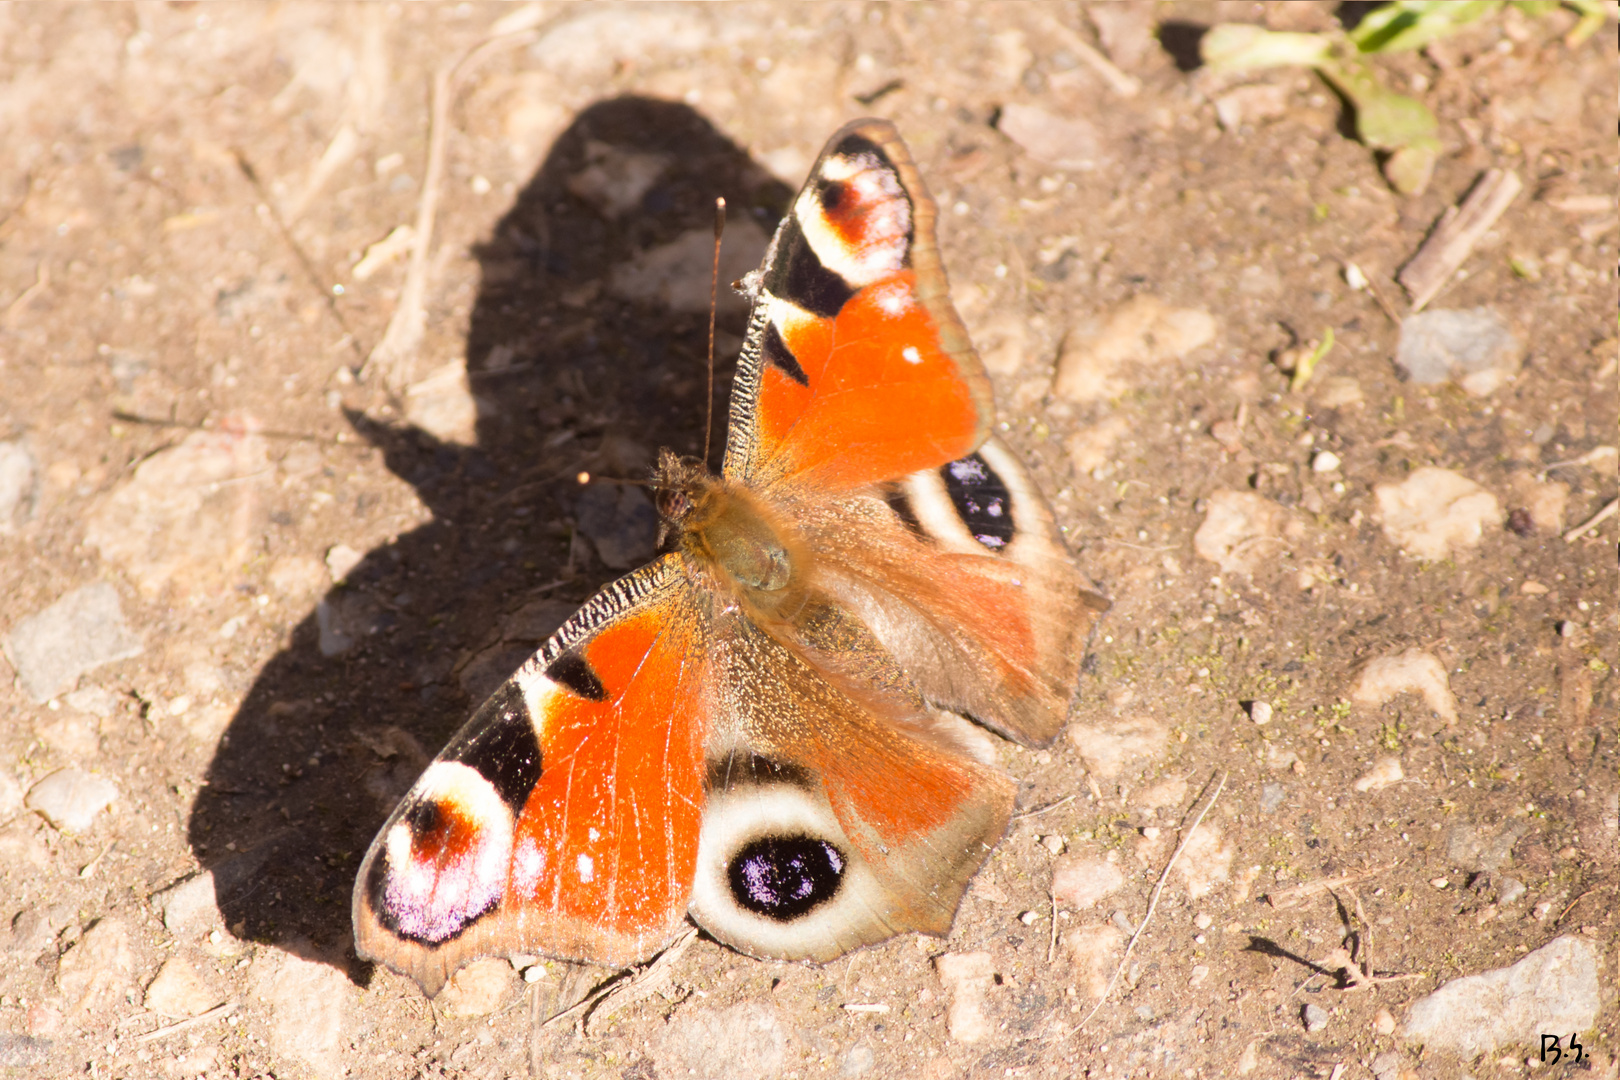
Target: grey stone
1474,347
620,520
23,1051
70,799
188,905
1067,142
742,1042
1509,890
1272,795
1554,989
19,486
80,632
1315,1017
858,1062
1476,848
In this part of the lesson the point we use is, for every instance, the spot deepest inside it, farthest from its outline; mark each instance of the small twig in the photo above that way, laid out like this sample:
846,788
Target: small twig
1594,521
396,351
1043,809
154,421
1120,83
1051,944
1453,240
1573,902
1153,904
42,281
1383,302
90,867
186,1025
1289,897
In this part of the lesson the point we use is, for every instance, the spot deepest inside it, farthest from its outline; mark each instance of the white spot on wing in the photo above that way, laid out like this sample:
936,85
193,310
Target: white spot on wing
912,356
587,868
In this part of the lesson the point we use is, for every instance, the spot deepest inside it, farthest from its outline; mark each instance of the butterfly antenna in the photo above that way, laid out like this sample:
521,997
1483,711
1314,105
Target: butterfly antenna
714,299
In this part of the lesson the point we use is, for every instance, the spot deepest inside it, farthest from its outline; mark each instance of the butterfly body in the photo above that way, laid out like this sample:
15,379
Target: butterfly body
763,729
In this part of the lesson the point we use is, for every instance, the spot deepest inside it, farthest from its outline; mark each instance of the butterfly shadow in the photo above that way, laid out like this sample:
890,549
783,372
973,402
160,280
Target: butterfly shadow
585,352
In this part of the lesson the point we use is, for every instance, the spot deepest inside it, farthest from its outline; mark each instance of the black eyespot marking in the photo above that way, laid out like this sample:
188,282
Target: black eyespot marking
797,275
503,748
784,877
755,770
831,193
900,503
571,670
776,353
982,500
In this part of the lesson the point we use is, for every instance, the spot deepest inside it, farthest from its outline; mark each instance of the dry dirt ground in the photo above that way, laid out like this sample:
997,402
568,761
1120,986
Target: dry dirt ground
325,549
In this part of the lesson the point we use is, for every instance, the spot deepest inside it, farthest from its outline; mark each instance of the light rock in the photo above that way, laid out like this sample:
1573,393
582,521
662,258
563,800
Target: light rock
1554,989
1079,882
477,989
586,49
741,1042
1091,447
1475,348
1384,772
1272,795
1167,792
615,180
967,978
95,701
620,521
443,405
678,274
1545,502
1336,392
1126,29
310,1007
179,991
1240,531
1413,671
189,905
1326,461
1249,104
1065,142
1260,712
97,971
1314,1016
190,516
1206,861
80,632
19,486
340,559
1107,751
858,1061
70,799
1435,512
35,929
1144,330
1093,953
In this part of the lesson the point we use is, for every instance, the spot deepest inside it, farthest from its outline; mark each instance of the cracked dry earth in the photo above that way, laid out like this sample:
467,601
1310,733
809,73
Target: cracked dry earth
249,583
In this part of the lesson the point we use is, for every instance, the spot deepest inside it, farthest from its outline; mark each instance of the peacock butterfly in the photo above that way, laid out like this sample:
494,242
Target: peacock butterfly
762,730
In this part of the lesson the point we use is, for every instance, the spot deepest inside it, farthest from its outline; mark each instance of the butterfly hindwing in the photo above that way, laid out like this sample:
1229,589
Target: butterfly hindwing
831,822
564,817
856,367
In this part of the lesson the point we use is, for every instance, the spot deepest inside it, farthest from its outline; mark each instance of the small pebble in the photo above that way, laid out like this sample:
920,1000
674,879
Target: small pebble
1260,712
1200,972
1326,461
1202,920
1028,917
1508,890
1316,1017
1384,1023
1054,843
1439,882
1150,832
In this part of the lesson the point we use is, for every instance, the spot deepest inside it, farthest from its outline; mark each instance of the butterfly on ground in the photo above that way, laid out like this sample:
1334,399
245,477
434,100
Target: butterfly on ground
763,730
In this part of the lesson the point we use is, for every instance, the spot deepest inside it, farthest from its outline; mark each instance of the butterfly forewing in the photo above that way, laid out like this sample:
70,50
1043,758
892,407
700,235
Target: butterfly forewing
856,368
563,819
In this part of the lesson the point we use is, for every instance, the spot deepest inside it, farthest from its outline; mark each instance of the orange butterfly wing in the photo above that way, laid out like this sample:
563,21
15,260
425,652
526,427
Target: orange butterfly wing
564,817
857,369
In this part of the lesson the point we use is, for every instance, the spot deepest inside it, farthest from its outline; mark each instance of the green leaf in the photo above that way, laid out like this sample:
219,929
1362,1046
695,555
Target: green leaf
1411,24
1241,47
